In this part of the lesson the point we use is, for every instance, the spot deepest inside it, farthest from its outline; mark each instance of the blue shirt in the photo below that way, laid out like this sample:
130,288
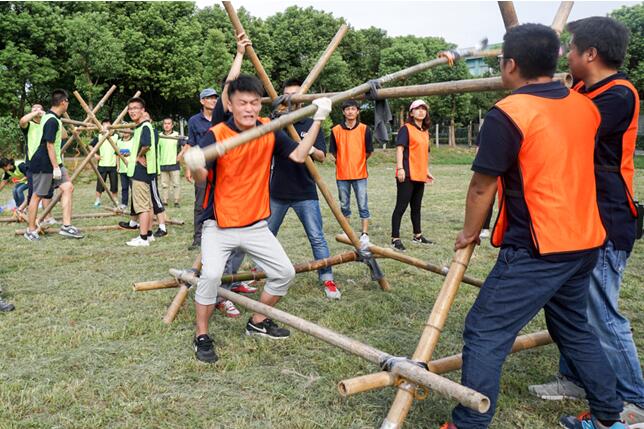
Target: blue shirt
616,107
198,126
40,162
291,180
499,144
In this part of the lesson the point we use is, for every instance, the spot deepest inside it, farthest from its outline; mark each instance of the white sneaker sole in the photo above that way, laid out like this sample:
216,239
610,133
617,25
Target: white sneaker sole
261,334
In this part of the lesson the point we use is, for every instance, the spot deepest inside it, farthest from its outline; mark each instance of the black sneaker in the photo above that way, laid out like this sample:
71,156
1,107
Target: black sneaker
176,205
204,349
194,246
126,225
267,328
5,306
160,233
397,245
419,239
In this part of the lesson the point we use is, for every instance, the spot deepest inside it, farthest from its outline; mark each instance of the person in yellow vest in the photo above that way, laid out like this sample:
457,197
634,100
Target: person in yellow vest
536,146
15,172
412,172
597,51
168,159
125,149
106,158
47,169
237,204
350,145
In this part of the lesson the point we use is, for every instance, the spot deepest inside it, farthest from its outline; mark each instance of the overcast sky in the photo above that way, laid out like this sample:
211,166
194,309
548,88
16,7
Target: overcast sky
462,22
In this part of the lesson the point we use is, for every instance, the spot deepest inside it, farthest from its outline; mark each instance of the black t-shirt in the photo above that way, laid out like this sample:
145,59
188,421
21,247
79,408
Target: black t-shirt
40,162
25,146
141,172
218,113
290,180
616,108
499,144
283,147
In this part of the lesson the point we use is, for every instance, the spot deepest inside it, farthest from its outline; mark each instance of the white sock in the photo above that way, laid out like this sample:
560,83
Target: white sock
133,223
162,227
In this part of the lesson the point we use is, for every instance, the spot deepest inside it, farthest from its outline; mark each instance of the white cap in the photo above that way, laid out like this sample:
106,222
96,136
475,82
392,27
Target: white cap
418,103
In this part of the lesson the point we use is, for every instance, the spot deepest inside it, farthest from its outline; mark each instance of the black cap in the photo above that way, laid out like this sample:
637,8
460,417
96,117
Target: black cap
349,103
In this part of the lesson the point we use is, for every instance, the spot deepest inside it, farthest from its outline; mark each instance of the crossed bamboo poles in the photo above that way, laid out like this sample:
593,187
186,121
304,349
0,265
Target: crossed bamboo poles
401,372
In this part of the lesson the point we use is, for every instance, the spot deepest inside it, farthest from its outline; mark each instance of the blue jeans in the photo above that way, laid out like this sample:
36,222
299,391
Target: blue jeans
308,211
360,189
612,329
19,193
516,289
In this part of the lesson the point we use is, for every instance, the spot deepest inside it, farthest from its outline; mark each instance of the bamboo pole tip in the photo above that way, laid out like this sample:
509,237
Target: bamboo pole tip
342,389
484,405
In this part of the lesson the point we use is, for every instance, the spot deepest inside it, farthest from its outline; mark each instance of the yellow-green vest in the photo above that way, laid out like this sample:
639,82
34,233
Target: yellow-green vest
150,156
34,135
59,135
107,153
168,149
16,175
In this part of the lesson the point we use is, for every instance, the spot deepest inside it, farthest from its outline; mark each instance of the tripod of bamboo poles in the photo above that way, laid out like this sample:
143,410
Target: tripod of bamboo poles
88,158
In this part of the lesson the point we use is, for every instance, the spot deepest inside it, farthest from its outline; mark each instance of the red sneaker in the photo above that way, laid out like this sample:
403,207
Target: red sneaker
331,290
243,287
228,309
448,425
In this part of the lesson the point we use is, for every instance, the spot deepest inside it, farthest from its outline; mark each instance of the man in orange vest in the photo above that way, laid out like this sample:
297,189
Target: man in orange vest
597,51
237,204
350,144
538,145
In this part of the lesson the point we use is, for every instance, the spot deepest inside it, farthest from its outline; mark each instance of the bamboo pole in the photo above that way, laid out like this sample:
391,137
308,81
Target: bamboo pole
381,379
324,59
408,370
163,136
509,14
430,89
85,229
70,121
95,110
82,165
107,135
317,69
431,333
561,17
410,260
331,261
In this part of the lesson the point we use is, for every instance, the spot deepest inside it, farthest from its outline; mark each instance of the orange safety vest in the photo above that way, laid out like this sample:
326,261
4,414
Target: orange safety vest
351,155
242,179
626,169
557,171
418,151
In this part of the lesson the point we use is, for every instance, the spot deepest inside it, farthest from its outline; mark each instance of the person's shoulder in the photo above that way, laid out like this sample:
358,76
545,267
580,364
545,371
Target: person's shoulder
194,118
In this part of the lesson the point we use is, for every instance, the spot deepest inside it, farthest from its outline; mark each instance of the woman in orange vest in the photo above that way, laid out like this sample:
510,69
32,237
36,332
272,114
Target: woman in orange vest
412,172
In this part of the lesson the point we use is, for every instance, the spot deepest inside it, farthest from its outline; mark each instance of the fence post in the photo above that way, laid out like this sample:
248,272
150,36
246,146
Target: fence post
469,134
437,136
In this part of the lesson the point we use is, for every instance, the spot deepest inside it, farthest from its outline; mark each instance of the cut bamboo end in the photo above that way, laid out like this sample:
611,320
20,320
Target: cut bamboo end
155,285
365,383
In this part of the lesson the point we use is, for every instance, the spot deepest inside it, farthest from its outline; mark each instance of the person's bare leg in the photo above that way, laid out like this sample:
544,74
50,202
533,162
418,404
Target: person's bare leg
365,225
67,190
145,218
267,299
203,316
33,211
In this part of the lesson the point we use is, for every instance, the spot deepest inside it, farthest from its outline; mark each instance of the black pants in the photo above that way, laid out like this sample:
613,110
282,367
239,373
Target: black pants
408,194
106,172
200,192
125,188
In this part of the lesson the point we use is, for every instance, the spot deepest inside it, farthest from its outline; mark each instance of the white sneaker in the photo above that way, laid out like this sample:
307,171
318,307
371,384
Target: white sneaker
138,242
122,207
47,222
151,238
485,233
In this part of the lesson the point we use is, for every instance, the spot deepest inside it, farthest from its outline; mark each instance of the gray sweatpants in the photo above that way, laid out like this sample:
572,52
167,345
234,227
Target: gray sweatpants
258,242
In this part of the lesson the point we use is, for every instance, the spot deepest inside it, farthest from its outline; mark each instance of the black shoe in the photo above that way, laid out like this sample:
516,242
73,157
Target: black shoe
267,328
6,307
160,233
397,245
419,239
164,203
176,205
204,349
194,246
126,225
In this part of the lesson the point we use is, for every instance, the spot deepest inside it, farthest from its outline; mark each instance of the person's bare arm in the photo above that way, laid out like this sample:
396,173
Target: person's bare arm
480,196
235,68
24,121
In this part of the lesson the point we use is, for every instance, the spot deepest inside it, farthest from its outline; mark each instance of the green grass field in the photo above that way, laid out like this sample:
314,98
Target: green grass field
82,350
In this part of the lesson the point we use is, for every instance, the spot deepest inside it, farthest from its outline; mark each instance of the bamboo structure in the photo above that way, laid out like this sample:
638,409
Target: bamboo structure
47,229
182,295
96,108
82,165
509,14
410,260
444,365
430,89
404,368
561,17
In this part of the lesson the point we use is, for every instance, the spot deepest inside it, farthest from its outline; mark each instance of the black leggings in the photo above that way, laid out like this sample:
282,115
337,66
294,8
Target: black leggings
105,173
408,194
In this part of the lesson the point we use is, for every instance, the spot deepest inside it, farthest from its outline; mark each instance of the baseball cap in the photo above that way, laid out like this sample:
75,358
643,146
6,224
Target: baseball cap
418,103
208,92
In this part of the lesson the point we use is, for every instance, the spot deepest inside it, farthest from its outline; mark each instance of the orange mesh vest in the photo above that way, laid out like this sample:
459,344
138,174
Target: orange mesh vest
626,168
557,171
242,178
418,153
351,155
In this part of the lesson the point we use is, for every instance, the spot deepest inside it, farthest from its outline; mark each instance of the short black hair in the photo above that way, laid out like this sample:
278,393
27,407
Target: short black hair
292,82
58,96
534,48
607,35
106,121
167,117
349,103
245,83
5,162
137,100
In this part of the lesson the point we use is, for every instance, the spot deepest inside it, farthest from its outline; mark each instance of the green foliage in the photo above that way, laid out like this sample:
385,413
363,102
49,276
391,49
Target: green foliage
10,137
633,18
